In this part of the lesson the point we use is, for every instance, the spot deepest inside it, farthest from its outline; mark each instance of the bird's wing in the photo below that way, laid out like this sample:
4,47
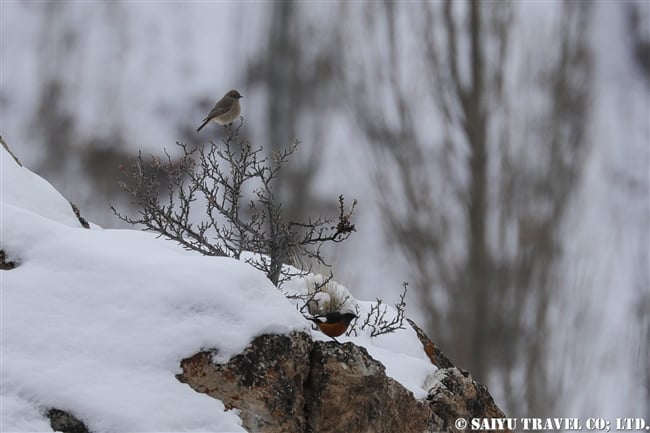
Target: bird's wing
220,108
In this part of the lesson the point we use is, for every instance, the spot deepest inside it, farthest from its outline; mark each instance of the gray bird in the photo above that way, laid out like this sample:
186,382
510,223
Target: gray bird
225,111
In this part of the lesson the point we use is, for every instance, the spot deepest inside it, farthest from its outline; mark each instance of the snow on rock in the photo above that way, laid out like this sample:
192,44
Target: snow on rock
20,187
401,351
96,322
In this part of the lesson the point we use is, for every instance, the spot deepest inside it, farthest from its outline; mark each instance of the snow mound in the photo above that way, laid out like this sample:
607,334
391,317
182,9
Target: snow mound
96,322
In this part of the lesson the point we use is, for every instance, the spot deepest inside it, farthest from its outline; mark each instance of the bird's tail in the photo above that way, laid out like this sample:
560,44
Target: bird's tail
205,122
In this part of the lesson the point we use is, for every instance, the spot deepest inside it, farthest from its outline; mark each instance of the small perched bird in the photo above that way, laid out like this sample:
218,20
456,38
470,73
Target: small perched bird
333,324
225,110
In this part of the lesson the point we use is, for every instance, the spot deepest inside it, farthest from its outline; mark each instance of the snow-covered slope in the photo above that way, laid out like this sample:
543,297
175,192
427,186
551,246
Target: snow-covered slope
30,192
95,322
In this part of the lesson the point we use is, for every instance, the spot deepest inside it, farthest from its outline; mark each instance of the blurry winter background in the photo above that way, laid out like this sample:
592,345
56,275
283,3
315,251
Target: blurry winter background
500,154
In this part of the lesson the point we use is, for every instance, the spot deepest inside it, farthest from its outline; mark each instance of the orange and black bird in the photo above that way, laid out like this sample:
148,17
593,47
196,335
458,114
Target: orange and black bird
333,324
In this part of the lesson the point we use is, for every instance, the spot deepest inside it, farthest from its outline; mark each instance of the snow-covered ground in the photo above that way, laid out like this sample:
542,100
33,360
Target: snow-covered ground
95,322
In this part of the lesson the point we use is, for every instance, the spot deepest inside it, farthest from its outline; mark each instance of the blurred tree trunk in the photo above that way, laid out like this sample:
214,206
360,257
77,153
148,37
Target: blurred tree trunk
638,25
476,165
93,158
297,70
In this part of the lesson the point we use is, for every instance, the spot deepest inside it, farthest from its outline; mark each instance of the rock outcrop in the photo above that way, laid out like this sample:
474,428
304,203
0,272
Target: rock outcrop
75,209
5,263
435,355
265,382
291,384
65,422
348,391
453,394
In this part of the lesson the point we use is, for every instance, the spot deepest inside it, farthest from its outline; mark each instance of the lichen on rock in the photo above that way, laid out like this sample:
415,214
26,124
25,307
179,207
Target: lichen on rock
291,384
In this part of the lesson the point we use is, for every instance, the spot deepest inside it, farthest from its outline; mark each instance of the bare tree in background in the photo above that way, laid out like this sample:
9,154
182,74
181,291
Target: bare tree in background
476,168
638,25
297,70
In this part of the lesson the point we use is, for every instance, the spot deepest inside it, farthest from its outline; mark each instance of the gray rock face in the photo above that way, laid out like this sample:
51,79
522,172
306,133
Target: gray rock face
265,382
291,384
348,391
5,263
65,422
453,394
